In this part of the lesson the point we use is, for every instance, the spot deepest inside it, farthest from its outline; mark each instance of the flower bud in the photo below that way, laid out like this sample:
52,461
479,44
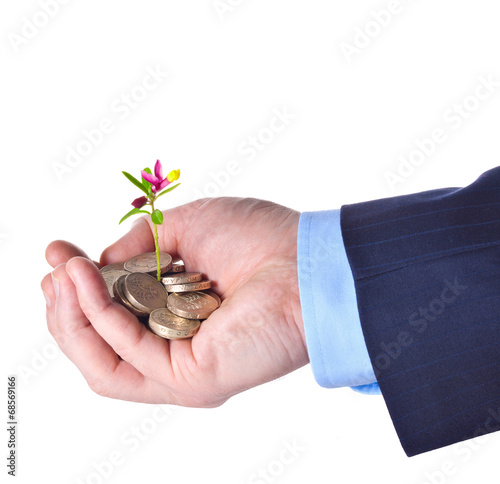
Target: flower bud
174,175
139,202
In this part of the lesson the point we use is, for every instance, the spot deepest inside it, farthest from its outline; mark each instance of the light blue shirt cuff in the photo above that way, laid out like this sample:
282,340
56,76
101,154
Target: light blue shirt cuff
334,338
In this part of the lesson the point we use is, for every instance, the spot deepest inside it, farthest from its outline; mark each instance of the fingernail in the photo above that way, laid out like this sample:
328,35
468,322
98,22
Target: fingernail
47,299
55,283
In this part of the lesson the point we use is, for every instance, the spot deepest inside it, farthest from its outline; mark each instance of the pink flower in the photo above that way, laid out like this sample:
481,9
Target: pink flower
157,181
139,202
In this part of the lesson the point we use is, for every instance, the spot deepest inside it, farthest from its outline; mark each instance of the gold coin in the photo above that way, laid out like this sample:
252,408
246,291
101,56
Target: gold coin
177,266
144,292
182,278
192,286
166,324
117,266
217,298
110,277
121,298
147,263
193,305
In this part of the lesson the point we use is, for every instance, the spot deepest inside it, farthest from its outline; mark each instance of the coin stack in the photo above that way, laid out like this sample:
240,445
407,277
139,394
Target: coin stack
173,308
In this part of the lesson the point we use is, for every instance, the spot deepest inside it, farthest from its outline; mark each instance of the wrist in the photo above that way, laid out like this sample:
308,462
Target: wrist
295,303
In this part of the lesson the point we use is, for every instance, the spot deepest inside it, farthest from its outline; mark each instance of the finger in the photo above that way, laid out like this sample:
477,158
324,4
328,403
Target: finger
117,326
49,294
138,240
47,287
104,371
61,251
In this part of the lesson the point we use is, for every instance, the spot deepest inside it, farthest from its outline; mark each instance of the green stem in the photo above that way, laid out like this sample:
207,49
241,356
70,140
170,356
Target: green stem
158,270
157,247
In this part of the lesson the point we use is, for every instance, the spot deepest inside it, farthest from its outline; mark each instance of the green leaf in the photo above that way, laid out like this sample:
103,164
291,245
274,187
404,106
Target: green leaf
134,211
136,182
157,217
167,190
145,182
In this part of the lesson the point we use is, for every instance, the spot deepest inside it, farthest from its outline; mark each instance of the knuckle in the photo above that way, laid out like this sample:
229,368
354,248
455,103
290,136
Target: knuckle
128,346
123,350
98,387
96,307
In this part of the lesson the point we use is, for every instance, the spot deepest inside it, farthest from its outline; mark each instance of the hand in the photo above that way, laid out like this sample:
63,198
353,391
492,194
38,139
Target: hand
247,247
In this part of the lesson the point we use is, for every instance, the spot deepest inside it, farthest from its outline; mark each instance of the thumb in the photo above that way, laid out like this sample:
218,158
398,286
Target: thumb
140,238
137,240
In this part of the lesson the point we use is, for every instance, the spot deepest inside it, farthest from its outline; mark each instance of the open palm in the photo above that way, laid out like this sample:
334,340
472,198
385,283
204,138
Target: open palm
247,248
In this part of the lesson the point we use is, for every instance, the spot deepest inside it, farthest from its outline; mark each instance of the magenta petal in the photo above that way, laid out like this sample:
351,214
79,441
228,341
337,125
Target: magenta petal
150,178
163,184
158,170
139,202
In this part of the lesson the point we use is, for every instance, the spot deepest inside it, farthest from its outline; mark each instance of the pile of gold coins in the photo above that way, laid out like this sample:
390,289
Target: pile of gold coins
173,308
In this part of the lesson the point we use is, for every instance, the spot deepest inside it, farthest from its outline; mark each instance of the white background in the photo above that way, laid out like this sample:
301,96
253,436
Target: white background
227,72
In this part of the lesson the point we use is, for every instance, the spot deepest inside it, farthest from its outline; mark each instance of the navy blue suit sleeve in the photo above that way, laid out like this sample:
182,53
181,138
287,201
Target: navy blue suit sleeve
426,269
